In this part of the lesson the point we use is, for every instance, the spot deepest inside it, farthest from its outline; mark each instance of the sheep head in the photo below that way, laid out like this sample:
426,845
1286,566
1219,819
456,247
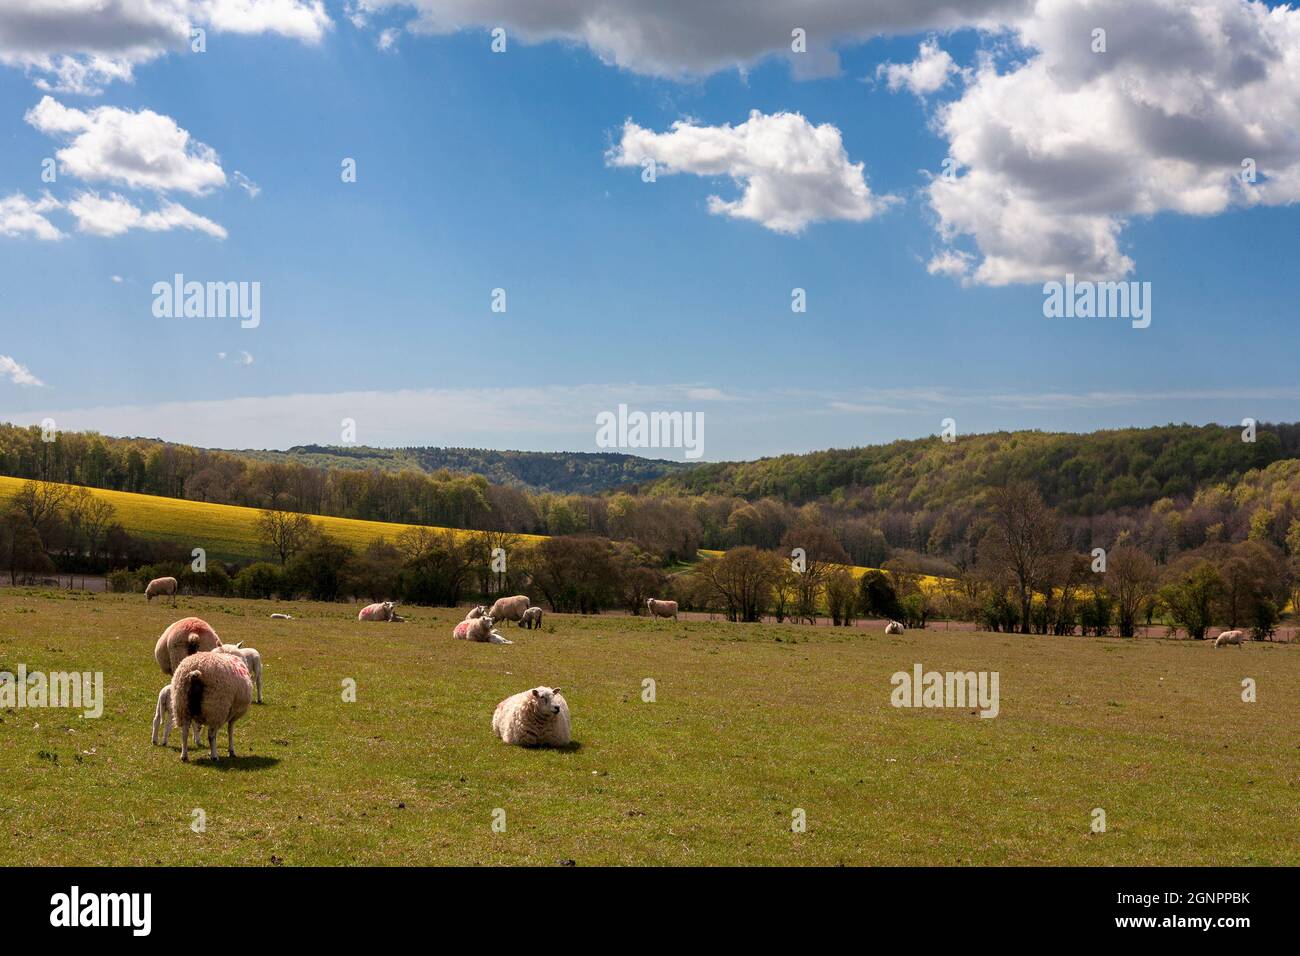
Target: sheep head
544,700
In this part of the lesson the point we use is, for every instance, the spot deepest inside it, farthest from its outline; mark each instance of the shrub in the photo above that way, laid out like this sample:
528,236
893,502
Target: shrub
260,580
124,582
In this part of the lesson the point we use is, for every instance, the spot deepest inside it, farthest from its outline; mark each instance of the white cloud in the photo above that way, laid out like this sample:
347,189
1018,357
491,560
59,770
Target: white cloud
20,216
116,279
112,215
247,185
1059,151
791,172
682,38
387,39
927,74
142,150
17,372
245,358
78,46
949,262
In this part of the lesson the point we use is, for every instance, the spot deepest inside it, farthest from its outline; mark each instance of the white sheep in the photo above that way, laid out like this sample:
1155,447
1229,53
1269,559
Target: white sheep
182,638
479,630
532,618
659,608
533,718
161,587
162,718
277,616
894,627
1229,637
213,689
378,612
252,660
474,612
509,608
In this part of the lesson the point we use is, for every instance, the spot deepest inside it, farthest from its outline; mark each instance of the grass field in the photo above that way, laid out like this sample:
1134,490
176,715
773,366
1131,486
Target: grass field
750,723
226,532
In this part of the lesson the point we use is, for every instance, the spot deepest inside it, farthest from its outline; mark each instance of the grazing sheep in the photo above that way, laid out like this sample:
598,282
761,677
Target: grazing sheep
894,627
162,717
252,660
1229,637
176,644
377,612
213,689
509,608
277,616
476,612
532,618
480,630
161,587
533,718
661,608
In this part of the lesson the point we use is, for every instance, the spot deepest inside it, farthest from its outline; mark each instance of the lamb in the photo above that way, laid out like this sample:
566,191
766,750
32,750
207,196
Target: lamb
213,689
476,612
252,660
161,587
509,608
184,637
533,718
661,608
378,612
532,618
162,717
894,627
1229,637
277,616
480,630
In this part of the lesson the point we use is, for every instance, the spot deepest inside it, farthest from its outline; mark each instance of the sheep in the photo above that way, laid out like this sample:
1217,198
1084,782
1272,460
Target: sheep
894,627
661,608
476,612
1229,637
252,660
277,616
378,612
162,717
533,718
479,630
161,587
532,618
509,608
213,689
182,638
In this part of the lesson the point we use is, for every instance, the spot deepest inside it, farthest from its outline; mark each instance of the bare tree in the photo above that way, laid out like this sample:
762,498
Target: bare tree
283,532
1024,537
743,579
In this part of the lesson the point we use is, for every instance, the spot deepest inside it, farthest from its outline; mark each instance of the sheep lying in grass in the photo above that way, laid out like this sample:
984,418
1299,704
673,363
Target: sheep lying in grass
480,630
186,636
894,627
379,612
1229,637
252,660
532,618
533,718
161,587
212,689
659,608
162,718
509,608
277,616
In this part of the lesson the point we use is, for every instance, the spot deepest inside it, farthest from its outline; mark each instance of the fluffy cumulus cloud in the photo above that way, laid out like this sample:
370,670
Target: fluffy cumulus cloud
16,372
24,217
112,215
78,46
1059,150
692,37
790,172
141,150
928,73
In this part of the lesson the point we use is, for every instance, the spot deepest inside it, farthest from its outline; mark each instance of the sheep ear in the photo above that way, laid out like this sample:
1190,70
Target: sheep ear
555,690
535,694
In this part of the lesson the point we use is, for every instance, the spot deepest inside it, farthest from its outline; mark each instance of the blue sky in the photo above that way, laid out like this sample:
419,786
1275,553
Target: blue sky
478,171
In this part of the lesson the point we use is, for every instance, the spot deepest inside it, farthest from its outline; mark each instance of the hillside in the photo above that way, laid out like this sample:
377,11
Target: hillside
561,472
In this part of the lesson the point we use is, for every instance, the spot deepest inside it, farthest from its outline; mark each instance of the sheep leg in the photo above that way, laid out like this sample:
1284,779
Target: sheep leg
185,740
230,738
157,719
259,685
212,742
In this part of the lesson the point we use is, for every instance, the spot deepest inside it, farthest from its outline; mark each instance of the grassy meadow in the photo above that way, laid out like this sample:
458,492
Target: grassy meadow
749,723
